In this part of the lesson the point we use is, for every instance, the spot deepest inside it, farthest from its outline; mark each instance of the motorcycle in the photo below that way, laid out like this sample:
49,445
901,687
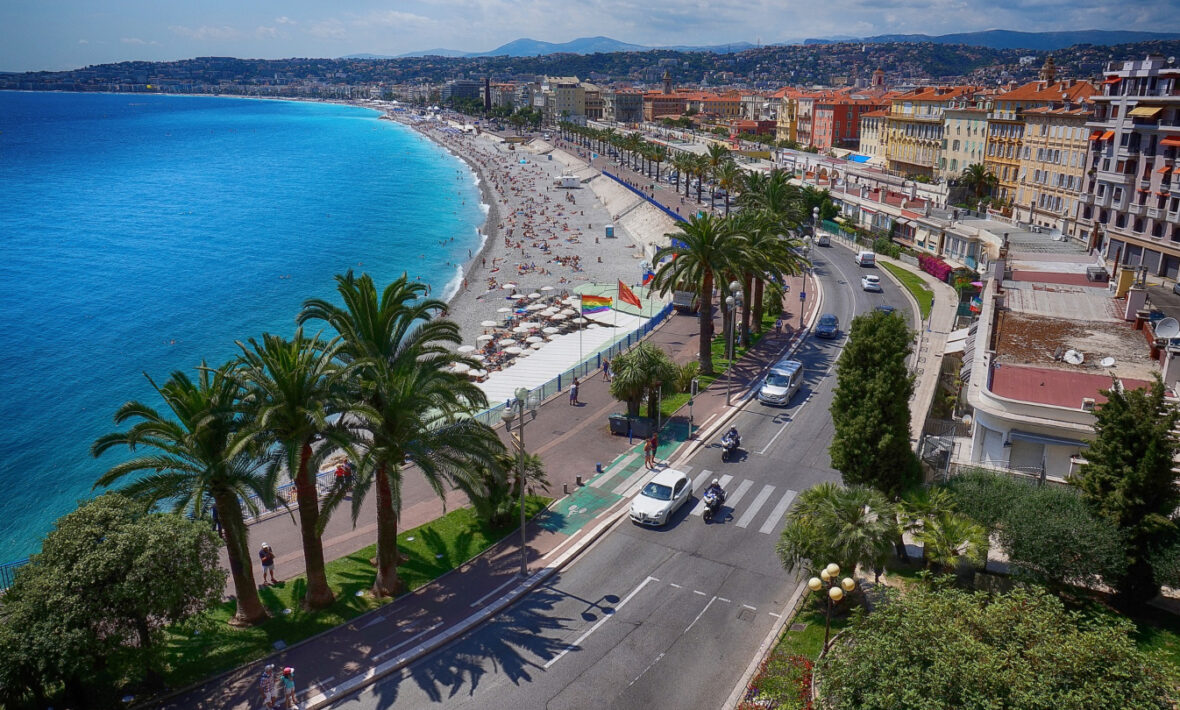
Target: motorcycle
713,503
729,446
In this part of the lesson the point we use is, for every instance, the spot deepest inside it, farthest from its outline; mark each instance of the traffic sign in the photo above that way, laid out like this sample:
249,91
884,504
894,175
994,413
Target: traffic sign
802,295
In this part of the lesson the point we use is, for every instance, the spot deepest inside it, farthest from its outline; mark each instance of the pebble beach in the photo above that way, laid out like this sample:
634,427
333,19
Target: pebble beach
538,234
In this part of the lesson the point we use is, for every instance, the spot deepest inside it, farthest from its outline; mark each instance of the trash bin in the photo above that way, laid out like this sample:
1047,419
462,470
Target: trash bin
610,231
618,424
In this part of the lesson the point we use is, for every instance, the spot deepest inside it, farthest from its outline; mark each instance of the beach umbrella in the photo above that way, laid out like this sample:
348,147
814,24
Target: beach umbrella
514,350
520,329
538,346
504,310
485,337
531,324
570,301
558,316
592,326
519,297
550,330
465,349
479,357
570,312
546,288
506,342
536,306
489,324
508,287
534,339
580,319
460,367
477,373
534,294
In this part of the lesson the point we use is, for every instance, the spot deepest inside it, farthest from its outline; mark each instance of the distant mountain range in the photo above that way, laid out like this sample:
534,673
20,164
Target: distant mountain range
993,39
1009,39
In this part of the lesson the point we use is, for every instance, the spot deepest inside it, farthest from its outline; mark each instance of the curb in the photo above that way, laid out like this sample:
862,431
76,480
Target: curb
739,690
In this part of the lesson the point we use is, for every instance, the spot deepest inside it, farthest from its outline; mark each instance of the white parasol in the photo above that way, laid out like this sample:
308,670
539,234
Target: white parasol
558,316
580,320
514,350
546,288
465,349
592,326
534,339
534,294
531,324
520,329
506,342
550,330
569,312
504,310
508,287
489,324
538,346
535,306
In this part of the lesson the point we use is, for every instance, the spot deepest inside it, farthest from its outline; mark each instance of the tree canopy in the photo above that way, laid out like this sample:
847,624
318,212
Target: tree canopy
871,406
935,648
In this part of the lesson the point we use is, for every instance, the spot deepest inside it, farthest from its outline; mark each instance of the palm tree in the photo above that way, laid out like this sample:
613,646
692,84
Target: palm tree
979,179
197,456
293,388
701,170
495,488
729,176
850,526
920,506
718,154
702,248
682,163
774,195
644,371
659,154
948,537
766,256
414,409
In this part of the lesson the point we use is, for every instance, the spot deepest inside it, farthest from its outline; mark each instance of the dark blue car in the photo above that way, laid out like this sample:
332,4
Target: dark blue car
828,326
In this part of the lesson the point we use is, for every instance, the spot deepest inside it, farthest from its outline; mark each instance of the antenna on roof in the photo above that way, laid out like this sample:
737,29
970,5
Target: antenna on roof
1167,328
1073,357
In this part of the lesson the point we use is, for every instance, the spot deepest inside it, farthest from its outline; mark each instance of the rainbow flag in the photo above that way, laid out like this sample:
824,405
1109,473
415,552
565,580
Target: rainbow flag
596,304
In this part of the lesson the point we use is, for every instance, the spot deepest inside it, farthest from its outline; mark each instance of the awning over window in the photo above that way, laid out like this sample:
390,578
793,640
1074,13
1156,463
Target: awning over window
1145,111
1107,136
1163,169
1173,141
1096,135
902,221
1113,80
1018,435
870,210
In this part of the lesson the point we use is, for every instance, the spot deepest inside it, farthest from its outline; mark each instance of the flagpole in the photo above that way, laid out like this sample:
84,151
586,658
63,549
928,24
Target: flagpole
581,326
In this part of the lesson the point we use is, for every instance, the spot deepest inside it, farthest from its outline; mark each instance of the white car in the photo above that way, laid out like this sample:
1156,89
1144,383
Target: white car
661,497
870,282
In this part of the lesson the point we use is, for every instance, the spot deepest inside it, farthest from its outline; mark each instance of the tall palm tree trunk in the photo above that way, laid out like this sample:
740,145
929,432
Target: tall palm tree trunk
746,312
706,320
386,584
758,305
319,594
249,610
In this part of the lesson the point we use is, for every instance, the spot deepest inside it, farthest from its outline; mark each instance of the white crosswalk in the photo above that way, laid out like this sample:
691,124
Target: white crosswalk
747,515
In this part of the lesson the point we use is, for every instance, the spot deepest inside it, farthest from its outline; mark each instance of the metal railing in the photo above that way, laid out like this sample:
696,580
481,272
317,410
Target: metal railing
637,191
8,572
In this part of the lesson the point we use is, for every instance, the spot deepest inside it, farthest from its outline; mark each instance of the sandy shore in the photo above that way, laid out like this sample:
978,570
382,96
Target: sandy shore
537,234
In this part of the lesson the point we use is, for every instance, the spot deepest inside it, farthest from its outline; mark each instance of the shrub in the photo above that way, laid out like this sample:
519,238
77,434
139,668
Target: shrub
783,682
934,266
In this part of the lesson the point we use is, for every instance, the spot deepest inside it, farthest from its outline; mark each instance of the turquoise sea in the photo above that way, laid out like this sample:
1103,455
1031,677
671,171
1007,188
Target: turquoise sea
144,234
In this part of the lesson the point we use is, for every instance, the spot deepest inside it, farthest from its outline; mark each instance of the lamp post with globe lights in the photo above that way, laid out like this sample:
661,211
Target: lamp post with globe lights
731,304
827,580
508,415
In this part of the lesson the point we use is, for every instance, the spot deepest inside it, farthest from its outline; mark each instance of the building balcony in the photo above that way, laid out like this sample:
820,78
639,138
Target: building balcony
1113,178
1136,209
1086,198
1154,213
1103,201
1145,183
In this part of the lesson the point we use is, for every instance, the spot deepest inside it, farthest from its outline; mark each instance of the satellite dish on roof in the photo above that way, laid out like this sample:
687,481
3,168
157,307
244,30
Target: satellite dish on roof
1073,357
1167,328
1107,362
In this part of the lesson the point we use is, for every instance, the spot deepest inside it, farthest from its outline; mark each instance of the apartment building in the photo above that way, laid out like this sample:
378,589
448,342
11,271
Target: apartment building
1052,167
914,128
622,106
964,138
787,127
1006,125
836,121
872,136
595,105
462,89
1131,198
564,99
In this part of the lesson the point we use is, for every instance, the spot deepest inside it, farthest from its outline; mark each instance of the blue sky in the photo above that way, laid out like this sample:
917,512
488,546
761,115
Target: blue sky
64,34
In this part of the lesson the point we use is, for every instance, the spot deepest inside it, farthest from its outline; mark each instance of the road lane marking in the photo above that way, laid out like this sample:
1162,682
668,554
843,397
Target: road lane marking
605,617
645,670
751,608
479,601
759,501
723,599
740,493
610,472
700,479
777,513
627,489
412,639
675,585
694,621
697,591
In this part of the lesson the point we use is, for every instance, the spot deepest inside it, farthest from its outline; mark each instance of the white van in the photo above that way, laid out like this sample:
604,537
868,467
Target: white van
866,258
781,382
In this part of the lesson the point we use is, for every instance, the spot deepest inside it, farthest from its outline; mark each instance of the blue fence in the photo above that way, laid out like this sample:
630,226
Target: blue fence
8,572
637,191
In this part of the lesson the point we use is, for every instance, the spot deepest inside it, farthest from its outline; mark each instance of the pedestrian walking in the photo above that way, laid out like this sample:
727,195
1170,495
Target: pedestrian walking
574,392
266,686
655,445
216,518
648,454
288,680
605,370
267,557
349,470
778,325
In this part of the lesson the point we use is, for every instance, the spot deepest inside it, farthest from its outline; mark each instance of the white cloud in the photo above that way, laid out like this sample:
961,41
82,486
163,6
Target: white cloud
392,18
263,32
83,41
207,32
328,29
131,40
284,20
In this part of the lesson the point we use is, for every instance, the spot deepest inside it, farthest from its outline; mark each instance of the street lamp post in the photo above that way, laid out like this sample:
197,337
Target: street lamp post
827,580
731,303
815,223
508,415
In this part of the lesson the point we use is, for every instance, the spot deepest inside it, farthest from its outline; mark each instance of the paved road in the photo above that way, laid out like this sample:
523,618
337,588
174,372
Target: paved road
664,618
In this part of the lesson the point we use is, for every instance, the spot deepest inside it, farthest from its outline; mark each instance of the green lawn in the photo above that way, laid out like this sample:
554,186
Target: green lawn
810,641
206,646
915,285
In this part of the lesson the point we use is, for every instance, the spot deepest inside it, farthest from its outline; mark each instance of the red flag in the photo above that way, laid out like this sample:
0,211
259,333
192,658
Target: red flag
626,295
